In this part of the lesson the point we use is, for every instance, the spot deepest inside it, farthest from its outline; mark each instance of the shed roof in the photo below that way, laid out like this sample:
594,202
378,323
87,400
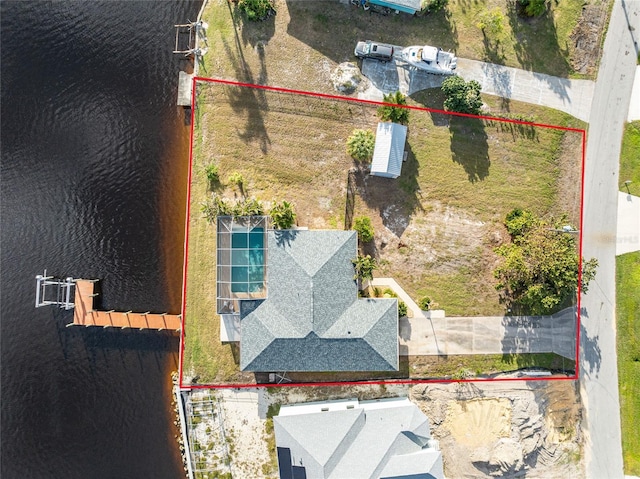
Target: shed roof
388,153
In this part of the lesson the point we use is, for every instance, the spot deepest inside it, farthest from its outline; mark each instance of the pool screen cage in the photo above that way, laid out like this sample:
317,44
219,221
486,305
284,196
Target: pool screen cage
242,260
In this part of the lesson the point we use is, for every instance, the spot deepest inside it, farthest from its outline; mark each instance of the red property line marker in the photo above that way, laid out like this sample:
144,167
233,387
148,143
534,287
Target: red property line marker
574,377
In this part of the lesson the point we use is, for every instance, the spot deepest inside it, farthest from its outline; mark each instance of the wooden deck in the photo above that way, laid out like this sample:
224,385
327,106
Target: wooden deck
86,315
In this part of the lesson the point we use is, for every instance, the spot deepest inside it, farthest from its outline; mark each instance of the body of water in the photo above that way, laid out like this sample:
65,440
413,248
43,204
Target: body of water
93,185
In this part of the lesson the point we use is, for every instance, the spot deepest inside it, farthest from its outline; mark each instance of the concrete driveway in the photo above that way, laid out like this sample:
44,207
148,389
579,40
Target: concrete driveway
570,96
435,334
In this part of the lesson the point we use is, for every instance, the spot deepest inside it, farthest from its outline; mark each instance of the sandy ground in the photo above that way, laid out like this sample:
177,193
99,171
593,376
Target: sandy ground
515,429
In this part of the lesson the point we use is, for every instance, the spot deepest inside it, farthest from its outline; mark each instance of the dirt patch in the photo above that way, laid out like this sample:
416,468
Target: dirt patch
505,429
479,421
439,238
568,195
587,38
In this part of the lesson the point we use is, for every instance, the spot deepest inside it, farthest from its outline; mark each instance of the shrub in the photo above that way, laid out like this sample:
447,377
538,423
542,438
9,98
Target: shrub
216,206
211,171
402,309
256,10
364,266
532,8
425,303
394,114
360,145
462,96
236,179
248,207
362,224
282,215
389,293
519,221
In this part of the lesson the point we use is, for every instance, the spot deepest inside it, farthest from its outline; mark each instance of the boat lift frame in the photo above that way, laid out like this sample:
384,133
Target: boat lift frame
193,29
63,291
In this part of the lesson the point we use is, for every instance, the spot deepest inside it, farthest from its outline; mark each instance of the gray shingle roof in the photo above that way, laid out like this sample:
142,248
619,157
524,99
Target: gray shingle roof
312,319
361,443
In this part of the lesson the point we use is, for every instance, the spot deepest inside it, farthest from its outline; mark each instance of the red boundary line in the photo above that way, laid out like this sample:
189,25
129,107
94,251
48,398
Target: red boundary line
390,381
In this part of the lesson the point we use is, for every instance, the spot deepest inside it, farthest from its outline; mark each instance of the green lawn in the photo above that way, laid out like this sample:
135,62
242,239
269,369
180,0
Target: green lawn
319,35
628,311
628,333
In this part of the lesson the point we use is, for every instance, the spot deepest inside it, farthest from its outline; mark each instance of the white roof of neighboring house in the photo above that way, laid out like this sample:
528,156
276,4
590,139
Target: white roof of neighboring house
389,150
385,438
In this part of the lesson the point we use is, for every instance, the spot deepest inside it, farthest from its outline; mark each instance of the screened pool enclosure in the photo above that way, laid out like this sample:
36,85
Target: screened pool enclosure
242,260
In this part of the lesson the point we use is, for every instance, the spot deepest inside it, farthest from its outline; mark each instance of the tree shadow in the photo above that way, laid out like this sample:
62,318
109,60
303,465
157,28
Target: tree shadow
517,130
590,352
433,98
253,33
251,102
470,146
493,50
396,200
536,43
285,237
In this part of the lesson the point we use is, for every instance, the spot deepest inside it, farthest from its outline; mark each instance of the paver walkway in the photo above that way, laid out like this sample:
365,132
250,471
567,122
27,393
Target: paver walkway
568,95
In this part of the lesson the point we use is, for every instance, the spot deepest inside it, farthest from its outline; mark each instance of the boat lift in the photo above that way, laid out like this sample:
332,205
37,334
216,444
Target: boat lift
63,290
196,31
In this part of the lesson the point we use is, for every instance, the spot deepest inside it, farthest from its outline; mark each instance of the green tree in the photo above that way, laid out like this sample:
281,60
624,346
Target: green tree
360,145
394,114
491,22
362,224
364,267
282,215
539,270
533,8
462,96
256,10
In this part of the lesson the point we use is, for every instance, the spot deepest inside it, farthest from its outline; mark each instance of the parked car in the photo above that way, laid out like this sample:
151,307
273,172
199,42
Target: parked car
375,50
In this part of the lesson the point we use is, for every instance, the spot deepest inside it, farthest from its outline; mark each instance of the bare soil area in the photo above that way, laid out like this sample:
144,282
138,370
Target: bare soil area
515,429
509,430
587,37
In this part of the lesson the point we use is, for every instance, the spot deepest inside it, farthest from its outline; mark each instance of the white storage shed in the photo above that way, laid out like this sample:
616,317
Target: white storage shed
388,153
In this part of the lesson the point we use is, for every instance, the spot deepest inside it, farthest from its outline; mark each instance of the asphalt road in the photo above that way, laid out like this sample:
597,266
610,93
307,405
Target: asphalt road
599,373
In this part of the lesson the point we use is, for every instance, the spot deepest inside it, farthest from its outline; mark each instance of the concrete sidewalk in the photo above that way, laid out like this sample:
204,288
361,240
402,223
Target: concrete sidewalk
628,234
570,96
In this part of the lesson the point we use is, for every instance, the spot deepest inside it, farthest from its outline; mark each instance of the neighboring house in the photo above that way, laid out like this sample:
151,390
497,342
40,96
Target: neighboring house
308,317
389,153
407,6
348,439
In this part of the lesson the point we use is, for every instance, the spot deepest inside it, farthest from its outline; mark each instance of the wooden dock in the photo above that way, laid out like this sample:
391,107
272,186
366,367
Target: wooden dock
86,315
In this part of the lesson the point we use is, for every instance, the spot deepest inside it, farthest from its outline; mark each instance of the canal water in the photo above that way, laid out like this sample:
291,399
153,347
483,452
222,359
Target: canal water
93,185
